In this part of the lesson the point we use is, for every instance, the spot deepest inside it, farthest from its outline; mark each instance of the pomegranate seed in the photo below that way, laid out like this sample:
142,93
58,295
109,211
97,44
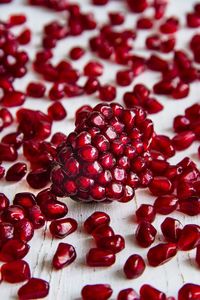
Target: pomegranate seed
14,139
91,85
17,20
191,206
13,99
36,216
161,253
189,291
6,117
193,20
183,140
24,230
107,93
95,220
38,178
54,209
137,7
124,77
144,23
62,228
180,91
57,111
16,271
116,18
160,186
93,69
145,234
6,232
171,229
64,256
134,266
155,63
24,37
36,89
150,293
13,250
189,238
13,214
100,258
2,172
4,202
128,294
165,204
99,2
16,172
96,292
24,199
102,231
114,243
34,288
146,213
171,25
7,152
76,53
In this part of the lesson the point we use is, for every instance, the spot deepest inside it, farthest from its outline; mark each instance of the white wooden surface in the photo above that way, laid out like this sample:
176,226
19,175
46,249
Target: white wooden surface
67,283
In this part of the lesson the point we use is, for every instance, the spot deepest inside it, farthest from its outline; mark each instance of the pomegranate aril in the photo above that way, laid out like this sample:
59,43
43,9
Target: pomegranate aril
116,18
150,293
124,77
100,258
76,53
24,37
17,19
190,206
189,237
62,228
36,89
171,229
96,292
107,93
13,214
13,99
180,91
16,271
96,219
160,186
128,294
183,140
115,243
145,212
145,234
16,172
91,86
36,216
4,202
189,291
6,232
54,210
161,253
38,178
93,69
64,256
24,199
34,288
102,232
137,7
12,250
14,139
134,266
24,230
171,25
165,204
57,111
7,152
193,20
144,23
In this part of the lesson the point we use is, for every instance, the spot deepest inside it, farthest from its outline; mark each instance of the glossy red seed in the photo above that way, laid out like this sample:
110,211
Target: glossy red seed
116,18
166,204
57,91
114,243
145,234
6,232
183,140
13,214
100,258
189,291
16,271
134,266
190,206
7,152
12,250
34,288
91,85
128,294
57,111
62,228
193,20
76,53
16,172
36,216
171,25
96,292
107,93
54,210
180,91
24,37
189,238
24,230
102,231
13,99
17,19
98,218
161,253
93,69
145,212
4,202
150,293
14,139
6,117
24,199
144,23
171,229
137,7
64,256
36,89
160,186
124,77
38,178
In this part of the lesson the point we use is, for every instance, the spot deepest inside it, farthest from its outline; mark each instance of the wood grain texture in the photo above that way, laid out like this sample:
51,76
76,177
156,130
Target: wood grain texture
67,283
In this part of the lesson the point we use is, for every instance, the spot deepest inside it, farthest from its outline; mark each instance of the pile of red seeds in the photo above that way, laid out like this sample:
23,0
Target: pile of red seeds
112,151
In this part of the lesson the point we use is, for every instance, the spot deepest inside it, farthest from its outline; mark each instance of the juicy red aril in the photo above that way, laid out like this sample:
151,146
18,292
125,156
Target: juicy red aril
144,23
171,229
4,202
137,7
181,123
189,291
124,78
17,20
6,117
13,214
57,111
36,216
190,206
98,218
54,209
161,253
160,186
12,250
93,69
171,25
150,293
96,292
102,232
64,256
145,212
6,232
62,228
38,178
189,238
24,199
91,86
183,140
180,91
100,258
165,204
145,234
76,53
16,271
116,18
14,139
34,288
7,152
24,230
107,93
24,37
36,89
16,172
13,99
193,20
115,243
128,294
57,91
134,266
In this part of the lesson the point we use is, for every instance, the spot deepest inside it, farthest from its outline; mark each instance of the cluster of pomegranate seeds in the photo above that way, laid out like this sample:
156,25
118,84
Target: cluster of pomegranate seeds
112,151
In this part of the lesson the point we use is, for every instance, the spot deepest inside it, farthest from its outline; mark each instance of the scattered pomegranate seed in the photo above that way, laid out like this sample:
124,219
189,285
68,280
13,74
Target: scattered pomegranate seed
6,232
24,37
12,250
165,204
144,23
76,53
15,271
116,18
128,294
98,218
4,202
183,140
62,228
107,93
16,172
171,229
93,69
146,212
134,266
100,258
96,292
189,291
36,89
102,231
137,7
150,293
145,234
189,238
161,253
64,256
115,243
34,288
17,20
57,111
24,229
